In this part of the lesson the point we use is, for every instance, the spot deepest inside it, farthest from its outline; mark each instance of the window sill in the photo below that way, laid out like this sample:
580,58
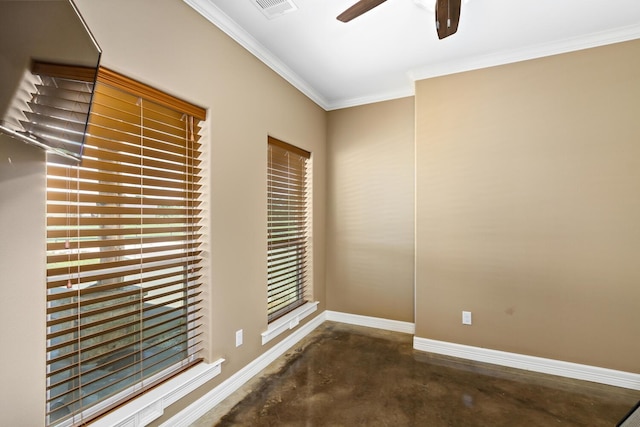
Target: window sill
146,408
288,321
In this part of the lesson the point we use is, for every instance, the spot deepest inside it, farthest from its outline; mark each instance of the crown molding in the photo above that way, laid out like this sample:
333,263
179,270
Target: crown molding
407,90
603,38
217,17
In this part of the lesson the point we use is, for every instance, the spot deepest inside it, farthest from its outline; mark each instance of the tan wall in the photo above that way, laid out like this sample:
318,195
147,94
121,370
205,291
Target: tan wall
370,210
168,45
23,317
528,202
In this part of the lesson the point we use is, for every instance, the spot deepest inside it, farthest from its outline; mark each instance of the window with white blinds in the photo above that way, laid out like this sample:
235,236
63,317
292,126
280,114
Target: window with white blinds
288,228
123,252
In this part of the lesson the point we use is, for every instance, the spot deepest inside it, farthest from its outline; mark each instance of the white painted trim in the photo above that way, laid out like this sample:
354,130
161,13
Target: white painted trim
200,407
523,54
371,322
150,405
217,17
404,91
288,321
203,405
531,363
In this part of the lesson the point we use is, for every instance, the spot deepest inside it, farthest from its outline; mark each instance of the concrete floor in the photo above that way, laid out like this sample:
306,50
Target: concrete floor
342,375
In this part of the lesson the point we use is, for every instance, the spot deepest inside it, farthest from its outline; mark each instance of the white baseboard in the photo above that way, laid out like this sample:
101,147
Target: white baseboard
531,363
371,322
207,402
203,405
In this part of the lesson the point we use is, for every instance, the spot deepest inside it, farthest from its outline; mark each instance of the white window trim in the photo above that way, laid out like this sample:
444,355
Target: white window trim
288,321
150,405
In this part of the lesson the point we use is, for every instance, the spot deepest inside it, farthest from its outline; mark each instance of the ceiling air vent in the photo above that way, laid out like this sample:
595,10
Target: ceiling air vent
274,8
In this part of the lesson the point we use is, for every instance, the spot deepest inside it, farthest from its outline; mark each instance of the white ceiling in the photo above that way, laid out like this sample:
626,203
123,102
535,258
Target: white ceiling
379,55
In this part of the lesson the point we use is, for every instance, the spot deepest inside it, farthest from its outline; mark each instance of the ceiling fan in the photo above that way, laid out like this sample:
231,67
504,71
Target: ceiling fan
447,14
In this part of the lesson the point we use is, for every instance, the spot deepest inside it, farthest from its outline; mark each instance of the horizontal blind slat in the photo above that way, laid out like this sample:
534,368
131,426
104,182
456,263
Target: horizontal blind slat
122,314
53,283
126,266
76,300
127,157
164,229
122,168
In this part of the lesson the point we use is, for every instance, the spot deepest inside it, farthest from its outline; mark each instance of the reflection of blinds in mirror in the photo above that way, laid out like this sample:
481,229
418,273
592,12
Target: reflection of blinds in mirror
59,108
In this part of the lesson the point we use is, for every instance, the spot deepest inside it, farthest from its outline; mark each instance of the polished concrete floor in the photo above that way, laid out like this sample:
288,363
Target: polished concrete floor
342,375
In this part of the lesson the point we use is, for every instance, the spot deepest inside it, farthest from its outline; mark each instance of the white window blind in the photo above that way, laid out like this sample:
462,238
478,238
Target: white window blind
288,228
123,252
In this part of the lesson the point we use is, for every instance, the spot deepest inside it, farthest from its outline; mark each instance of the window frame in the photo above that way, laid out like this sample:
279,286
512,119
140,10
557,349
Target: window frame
289,188
191,113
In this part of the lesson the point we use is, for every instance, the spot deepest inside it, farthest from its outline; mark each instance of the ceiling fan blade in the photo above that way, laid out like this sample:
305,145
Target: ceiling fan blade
447,17
358,9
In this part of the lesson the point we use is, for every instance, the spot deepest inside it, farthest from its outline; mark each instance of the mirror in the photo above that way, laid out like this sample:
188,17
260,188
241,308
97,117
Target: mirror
48,66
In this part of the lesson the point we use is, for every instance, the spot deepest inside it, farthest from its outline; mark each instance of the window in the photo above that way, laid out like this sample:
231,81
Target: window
288,228
123,257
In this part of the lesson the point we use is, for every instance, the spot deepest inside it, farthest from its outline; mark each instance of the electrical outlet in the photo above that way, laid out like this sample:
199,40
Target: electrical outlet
239,338
466,317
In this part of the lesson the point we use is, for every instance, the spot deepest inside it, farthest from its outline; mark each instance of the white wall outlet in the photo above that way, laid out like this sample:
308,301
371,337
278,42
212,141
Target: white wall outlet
239,338
466,317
